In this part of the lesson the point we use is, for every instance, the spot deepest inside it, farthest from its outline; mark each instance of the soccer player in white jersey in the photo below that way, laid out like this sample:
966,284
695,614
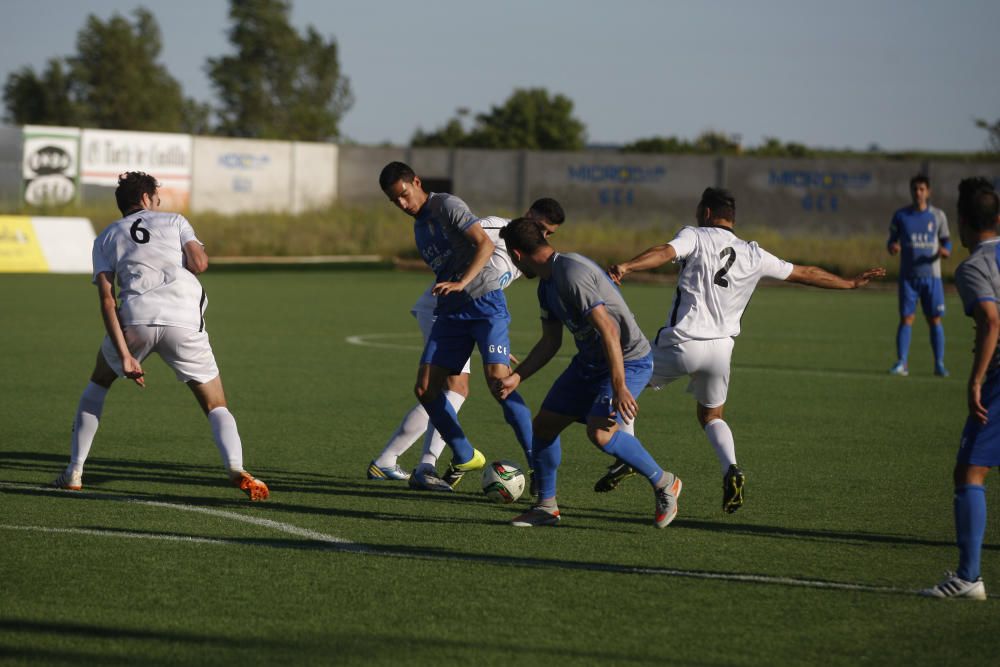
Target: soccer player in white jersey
154,256
718,274
549,215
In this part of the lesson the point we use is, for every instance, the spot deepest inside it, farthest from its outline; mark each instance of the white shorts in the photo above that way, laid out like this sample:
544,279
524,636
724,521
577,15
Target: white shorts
187,352
706,362
426,319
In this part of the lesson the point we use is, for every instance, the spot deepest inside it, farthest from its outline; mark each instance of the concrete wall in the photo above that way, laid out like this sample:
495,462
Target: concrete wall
358,170
241,175
314,176
944,185
11,152
490,181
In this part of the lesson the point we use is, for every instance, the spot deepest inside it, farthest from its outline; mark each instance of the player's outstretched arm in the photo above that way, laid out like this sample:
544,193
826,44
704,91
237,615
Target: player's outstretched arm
987,319
109,312
817,277
540,354
647,259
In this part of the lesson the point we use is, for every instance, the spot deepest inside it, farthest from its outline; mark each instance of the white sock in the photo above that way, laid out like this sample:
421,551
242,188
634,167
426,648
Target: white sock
434,444
88,417
413,425
227,438
721,439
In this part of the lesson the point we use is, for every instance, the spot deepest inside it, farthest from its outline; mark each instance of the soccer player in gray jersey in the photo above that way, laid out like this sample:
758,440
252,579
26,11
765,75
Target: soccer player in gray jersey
154,256
471,312
385,467
599,388
978,282
719,272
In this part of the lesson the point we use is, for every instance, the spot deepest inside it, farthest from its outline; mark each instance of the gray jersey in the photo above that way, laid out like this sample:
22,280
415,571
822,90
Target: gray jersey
978,280
576,287
439,229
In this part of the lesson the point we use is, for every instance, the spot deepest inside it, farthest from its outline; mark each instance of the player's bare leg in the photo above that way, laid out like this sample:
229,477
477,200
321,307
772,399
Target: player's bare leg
85,423
212,399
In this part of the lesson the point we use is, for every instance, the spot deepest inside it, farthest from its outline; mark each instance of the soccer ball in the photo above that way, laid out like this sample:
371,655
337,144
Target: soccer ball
503,482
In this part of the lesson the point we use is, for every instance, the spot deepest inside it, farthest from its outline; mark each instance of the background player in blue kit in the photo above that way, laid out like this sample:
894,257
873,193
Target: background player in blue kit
919,235
612,366
978,282
471,311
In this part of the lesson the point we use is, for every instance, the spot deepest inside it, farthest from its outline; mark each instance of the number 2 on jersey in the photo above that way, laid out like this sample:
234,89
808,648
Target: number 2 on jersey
720,275
141,234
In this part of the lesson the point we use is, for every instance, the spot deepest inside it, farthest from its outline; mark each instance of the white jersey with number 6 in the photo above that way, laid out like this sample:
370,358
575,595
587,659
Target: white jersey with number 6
144,250
719,272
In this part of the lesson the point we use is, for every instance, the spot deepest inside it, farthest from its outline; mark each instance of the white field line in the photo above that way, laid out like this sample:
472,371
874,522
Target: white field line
334,543
379,340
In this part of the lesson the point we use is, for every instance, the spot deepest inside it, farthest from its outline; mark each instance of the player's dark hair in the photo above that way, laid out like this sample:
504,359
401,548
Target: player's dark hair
721,202
920,178
978,203
395,171
523,235
549,209
132,185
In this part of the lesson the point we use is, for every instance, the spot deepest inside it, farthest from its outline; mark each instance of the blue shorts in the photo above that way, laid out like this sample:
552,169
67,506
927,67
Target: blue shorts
451,341
582,391
981,442
930,291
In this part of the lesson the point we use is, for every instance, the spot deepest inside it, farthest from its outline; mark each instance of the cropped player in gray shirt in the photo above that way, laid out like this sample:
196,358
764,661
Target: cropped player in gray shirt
612,366
978,281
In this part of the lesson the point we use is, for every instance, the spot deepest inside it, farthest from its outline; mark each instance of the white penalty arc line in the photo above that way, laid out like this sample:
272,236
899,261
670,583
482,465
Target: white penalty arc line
339,544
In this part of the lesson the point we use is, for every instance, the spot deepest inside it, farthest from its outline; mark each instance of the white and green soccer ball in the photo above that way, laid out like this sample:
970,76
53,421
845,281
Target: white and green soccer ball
503,482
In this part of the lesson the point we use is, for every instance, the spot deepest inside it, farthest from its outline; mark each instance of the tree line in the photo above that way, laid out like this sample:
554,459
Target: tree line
280,84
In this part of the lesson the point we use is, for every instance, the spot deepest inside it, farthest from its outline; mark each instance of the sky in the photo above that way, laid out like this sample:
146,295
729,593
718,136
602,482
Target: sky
902,74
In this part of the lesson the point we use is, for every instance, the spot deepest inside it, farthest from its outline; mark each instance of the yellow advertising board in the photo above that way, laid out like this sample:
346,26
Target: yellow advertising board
20,250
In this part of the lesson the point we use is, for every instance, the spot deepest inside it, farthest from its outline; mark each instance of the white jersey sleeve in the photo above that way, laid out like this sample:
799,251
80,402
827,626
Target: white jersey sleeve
500,259
771,266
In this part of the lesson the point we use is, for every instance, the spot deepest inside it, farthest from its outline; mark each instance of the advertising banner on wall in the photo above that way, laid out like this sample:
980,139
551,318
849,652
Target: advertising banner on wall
50,166
45,244
104,154
237,175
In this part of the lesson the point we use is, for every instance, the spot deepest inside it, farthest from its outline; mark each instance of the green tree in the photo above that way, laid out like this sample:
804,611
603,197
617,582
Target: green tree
278,84
114,81
528,119
42,100
992,134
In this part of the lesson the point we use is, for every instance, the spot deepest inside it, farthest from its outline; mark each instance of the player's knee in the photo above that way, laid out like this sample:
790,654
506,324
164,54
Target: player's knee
907,320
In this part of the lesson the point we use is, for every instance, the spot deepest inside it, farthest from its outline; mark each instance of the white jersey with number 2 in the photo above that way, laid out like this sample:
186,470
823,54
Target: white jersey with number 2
719,272
145,252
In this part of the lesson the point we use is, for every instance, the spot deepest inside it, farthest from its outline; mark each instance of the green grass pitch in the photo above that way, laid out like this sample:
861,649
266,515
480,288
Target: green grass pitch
848,498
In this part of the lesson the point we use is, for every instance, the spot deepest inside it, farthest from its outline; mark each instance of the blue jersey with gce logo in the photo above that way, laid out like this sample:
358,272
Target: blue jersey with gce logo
920,234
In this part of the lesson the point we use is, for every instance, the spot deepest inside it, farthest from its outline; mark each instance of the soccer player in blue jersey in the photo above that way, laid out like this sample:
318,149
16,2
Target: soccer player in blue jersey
471,312
978,282
919,235
612,366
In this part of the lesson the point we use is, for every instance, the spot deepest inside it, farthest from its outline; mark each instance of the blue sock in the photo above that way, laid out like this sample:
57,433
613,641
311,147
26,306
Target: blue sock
937,343
548,456
970,525
903,335
518,415
445,420
630,450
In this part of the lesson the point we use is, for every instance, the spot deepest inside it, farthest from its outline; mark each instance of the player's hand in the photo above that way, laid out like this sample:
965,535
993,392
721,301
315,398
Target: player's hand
868,276
133,370
616,272
514,360
504,387
624,404
976,408
944,253
441,289
894,248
